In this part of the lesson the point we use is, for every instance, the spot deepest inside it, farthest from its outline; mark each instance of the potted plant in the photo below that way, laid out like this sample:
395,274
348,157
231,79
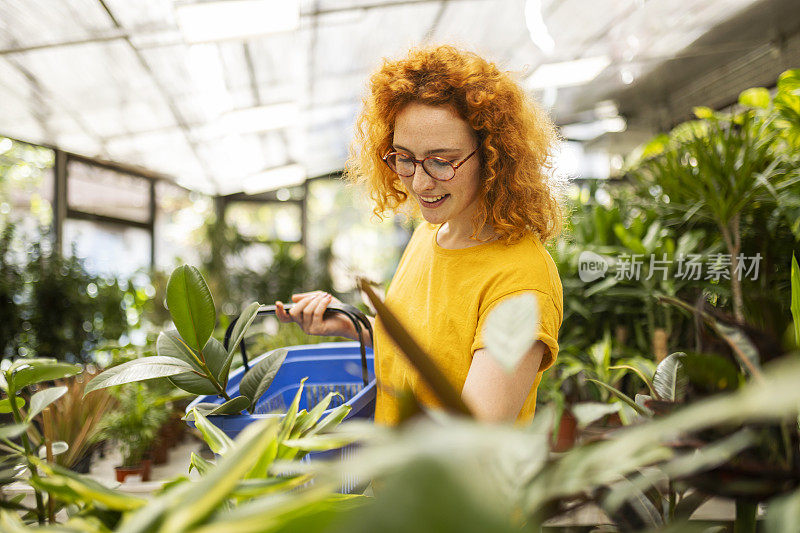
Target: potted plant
134,426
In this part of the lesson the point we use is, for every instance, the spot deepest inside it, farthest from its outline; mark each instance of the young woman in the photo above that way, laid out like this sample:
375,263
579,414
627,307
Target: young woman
446,133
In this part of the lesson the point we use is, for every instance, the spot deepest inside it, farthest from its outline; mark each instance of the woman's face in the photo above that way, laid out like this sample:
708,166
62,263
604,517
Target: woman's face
422,130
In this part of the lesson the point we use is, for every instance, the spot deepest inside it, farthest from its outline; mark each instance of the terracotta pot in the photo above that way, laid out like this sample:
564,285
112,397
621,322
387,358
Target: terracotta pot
142,469
567,432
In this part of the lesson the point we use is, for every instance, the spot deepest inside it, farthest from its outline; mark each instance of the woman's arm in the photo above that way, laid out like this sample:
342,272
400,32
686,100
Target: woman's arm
495,395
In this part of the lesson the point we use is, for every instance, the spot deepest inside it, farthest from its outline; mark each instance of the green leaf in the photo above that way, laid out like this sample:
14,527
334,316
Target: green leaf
287,422
142,369
703,112
43,398
252,488
191,382
215,355
75,488
201,465
314,415
621,395
588,412
191,306
756,97
743,347
670,379
331,421
10,431
258,379
639,373
170,344
318,443
38,373
5,404
208,495
243,323
216,439
511,329
233,406
795,305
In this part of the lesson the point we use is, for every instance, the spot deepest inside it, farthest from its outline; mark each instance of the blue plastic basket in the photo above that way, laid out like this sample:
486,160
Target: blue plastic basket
343,367
329,367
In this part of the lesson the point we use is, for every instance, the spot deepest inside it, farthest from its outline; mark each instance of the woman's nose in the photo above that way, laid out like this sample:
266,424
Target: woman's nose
422,180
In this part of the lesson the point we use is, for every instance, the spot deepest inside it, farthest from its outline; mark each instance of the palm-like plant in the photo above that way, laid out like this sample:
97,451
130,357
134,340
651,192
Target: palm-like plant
715,169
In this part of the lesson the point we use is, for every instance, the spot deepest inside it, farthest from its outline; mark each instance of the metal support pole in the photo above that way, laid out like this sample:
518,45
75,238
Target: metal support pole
59,199
153,214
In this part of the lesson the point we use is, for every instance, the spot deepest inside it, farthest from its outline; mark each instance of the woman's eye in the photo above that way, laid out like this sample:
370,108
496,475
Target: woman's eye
402,158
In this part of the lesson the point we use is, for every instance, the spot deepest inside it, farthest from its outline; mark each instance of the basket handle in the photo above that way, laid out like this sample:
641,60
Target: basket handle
351,312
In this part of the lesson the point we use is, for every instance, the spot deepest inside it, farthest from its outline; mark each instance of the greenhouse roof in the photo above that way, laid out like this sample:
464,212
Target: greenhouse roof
248,95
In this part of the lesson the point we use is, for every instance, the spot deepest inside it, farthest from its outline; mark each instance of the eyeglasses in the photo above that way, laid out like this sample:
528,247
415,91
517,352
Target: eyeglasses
436,167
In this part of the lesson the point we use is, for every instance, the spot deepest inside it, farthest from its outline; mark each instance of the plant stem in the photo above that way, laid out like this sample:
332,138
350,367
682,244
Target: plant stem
210,376
732,237
672,502
26,443
745,517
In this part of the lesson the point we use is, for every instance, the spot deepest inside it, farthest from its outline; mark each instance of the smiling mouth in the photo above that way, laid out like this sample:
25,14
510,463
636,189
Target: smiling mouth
433,201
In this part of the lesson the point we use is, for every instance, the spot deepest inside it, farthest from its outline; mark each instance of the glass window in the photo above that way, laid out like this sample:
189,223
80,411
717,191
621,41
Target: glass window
180,219
109,249
101,191
266,222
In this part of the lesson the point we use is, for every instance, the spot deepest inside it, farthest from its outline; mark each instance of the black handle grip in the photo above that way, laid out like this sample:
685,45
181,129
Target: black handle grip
351,312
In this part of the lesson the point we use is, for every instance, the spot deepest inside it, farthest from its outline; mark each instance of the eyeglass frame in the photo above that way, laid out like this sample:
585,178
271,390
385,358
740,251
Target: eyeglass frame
422,163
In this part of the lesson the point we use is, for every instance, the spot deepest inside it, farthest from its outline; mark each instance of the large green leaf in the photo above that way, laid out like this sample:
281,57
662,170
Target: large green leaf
43,398
240,329
258,379
29,375
511,329
142,369
170,344
670,379
191,306
795,305
233,406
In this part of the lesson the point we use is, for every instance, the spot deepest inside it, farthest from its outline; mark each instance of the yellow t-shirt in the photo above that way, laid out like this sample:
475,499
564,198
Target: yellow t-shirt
442,297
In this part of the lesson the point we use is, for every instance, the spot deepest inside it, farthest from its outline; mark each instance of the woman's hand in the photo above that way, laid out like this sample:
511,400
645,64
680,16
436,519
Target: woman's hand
307,311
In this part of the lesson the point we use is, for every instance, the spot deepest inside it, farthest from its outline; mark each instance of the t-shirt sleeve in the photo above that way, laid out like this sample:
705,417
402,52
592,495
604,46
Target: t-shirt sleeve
549,324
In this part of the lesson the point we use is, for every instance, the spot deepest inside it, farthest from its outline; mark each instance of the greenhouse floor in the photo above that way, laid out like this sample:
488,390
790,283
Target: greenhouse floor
177,465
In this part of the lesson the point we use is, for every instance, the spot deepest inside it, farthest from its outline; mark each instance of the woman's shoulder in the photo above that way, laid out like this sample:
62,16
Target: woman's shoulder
526,263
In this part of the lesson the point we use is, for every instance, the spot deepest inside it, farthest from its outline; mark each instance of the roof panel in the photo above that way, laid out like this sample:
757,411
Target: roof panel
28,23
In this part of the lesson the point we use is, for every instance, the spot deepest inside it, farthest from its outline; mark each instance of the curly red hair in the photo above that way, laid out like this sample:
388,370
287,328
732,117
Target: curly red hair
516,138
